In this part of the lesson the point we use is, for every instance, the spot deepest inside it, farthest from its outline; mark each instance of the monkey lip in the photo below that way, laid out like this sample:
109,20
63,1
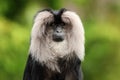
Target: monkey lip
58,39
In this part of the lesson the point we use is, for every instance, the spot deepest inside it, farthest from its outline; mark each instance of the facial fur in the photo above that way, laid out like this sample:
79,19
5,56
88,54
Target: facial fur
44,49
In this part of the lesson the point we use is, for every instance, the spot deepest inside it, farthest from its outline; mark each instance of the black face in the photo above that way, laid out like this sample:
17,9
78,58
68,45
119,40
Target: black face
58,33
56,28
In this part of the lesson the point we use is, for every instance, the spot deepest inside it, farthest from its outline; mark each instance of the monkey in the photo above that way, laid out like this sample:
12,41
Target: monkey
56,47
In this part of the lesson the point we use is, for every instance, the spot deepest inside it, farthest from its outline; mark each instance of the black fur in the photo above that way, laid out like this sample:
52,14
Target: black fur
57,15
70,70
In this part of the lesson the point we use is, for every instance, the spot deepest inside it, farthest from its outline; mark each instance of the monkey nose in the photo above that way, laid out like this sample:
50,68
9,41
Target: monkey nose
58,31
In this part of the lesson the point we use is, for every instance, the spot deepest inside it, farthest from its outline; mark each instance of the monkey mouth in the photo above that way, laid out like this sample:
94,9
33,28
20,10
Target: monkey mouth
58,39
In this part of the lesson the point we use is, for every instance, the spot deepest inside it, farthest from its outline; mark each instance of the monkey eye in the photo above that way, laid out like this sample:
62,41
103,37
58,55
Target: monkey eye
51,24
63,24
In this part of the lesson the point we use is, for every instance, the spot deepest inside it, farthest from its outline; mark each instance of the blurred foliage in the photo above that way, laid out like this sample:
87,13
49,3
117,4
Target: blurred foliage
101,20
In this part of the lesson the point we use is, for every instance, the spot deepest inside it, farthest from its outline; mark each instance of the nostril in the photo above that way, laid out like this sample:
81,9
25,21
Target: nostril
58,31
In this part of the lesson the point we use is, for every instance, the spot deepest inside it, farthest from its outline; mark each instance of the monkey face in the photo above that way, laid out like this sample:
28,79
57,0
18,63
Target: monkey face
56,32
56,28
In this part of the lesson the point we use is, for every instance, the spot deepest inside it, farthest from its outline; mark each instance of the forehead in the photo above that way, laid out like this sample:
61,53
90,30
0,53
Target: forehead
57,17
54,16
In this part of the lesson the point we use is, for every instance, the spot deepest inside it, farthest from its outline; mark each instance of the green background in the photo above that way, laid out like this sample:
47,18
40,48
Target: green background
101,20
